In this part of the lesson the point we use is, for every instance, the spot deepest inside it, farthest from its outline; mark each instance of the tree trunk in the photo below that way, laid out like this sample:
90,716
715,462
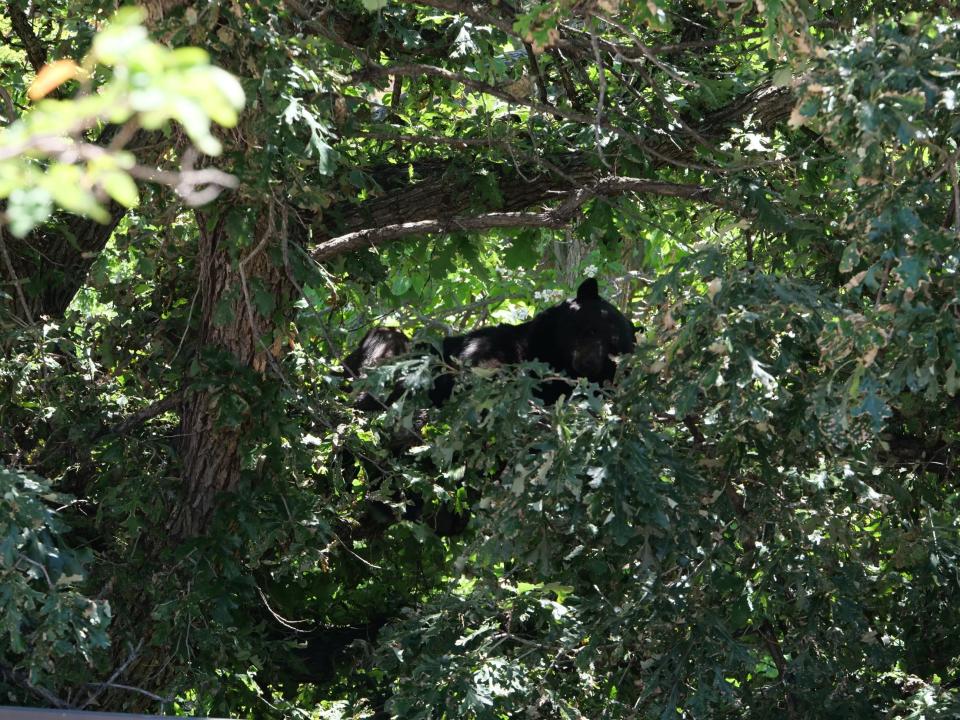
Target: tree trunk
212,451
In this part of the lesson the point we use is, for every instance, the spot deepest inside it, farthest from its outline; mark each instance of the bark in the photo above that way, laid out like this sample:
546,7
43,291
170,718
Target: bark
211,451
555,218
36,52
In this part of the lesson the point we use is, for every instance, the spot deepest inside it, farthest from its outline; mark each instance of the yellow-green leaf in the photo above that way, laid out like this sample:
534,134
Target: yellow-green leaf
121,187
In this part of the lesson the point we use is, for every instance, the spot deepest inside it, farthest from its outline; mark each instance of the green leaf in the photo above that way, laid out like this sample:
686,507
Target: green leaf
121,187
121,38
850,258
28,208
522,252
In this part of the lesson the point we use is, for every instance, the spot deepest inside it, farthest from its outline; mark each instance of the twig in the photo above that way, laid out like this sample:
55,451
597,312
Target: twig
314,21
572,41
677,117
131,688
645,51
243,279
537,73
186,327
601,96
419,70
289,624
116,673
14,278
428,139
46,575
956,196
672,48
568,87
883,281
469,10
351,551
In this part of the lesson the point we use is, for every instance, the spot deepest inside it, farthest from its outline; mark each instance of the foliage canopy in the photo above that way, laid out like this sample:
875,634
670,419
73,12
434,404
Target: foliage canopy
758,519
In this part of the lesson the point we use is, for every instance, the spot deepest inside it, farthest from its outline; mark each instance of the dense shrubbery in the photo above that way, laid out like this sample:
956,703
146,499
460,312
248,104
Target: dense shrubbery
759,518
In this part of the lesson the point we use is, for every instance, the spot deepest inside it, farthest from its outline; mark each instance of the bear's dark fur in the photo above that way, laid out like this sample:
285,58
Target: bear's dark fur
576,338
378,345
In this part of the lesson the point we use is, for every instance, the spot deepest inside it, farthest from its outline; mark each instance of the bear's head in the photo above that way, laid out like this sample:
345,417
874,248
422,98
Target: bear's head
379,345
579,336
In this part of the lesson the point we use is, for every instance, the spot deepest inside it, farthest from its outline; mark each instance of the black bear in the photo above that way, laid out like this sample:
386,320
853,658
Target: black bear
576,338
378,345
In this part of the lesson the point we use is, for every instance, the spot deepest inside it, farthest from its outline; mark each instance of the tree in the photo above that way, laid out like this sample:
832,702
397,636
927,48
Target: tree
758,519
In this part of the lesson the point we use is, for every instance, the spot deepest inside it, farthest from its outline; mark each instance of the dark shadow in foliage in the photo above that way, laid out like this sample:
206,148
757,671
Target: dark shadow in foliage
378,346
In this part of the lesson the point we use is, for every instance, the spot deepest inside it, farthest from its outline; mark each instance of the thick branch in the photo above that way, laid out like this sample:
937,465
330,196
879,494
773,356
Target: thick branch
171,402
557,217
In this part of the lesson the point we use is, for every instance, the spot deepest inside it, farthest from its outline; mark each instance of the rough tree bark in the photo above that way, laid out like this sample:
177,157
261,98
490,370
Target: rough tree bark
211,451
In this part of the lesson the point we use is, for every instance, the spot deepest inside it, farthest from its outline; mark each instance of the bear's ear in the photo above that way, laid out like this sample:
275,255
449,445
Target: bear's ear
588,291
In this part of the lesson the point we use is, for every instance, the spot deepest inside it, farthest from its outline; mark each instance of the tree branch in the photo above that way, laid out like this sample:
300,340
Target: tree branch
170,402
573,40
416,70
557,217
537,73
15,279
21,679
100,687
36,52
779,100
469,10
184,182
428,139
